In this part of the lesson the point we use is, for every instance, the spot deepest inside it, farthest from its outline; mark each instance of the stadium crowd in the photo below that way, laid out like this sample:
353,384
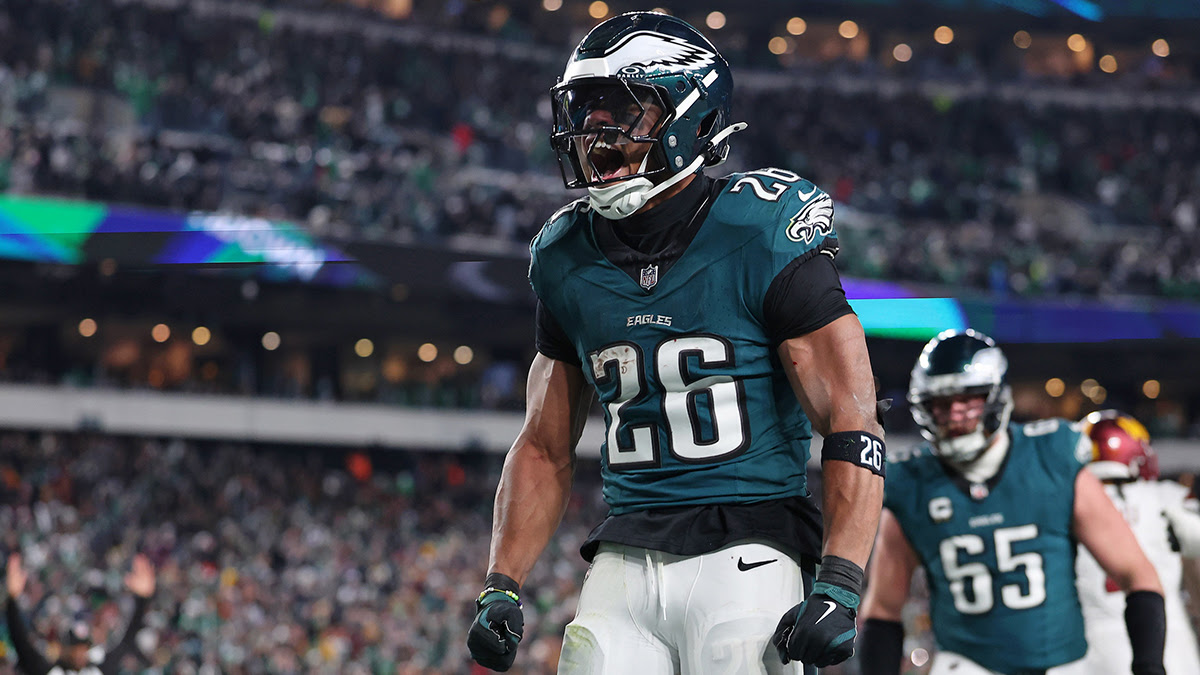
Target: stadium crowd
363,128
271,560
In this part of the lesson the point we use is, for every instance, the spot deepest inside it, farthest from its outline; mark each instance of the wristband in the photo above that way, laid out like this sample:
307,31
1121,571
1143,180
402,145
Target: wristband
501,583
857,447
842,573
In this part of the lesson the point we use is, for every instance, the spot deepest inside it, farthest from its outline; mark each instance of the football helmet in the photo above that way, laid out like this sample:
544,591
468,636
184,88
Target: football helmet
954,363
1120,447
640,78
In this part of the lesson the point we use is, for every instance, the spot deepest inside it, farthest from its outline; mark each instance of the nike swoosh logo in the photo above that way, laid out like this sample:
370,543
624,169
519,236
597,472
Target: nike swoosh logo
745,566
828,610
805,195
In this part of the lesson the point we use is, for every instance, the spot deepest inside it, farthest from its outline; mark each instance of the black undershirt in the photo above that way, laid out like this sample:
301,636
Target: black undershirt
805,296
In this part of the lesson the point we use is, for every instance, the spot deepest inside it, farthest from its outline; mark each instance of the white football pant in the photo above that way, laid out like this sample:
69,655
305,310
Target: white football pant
653,613
949,663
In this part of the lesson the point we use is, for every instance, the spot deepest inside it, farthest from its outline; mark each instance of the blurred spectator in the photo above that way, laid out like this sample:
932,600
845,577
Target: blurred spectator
364,128
272,560
76,654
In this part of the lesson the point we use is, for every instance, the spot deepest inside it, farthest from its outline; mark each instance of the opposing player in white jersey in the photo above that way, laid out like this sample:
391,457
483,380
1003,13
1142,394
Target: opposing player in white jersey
1168,529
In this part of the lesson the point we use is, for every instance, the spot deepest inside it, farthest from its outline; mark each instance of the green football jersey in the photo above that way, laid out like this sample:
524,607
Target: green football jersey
999,558
697,407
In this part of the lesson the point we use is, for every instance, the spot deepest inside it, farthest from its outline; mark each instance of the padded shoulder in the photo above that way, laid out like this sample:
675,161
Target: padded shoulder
792,215
559,224
1060,444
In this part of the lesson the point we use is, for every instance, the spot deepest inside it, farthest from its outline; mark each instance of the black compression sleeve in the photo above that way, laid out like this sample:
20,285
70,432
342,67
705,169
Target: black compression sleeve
128,643
805,296
552,340
29,660
882,645
1146,622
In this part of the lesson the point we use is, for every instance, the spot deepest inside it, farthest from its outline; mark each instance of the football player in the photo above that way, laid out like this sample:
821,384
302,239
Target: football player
992,510
1166,525
708,317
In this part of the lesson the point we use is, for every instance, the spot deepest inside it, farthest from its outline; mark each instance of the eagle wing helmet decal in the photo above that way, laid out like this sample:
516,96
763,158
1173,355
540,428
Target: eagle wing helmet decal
643,52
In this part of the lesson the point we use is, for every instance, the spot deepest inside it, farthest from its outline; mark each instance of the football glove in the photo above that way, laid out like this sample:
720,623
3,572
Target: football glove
819,631
498,626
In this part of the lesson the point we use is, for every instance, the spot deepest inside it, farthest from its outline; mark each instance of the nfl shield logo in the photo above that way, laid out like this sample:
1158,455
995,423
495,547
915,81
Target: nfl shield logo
979,491
649,277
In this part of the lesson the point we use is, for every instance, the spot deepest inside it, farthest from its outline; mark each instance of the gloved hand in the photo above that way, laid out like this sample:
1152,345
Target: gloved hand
499,624
819,631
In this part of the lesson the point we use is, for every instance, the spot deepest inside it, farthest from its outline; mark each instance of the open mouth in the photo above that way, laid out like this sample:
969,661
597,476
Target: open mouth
607,162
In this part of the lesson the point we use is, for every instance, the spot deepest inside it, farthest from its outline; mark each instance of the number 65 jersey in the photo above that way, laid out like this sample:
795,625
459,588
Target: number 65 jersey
697,407
999,557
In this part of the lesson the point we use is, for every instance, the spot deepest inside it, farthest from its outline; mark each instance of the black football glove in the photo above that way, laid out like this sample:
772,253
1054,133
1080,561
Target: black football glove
498,626
819,631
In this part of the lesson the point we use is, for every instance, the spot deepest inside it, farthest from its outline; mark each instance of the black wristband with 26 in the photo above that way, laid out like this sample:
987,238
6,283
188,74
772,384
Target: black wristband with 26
857,447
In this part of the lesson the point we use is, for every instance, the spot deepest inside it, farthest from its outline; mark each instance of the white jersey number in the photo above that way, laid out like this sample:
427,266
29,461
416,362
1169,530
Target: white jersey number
981,598
684,395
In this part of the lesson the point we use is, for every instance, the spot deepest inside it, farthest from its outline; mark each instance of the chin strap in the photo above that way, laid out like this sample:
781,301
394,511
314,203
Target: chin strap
623,198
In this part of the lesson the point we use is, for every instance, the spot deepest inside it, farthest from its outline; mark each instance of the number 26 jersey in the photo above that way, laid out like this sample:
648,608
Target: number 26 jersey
698,409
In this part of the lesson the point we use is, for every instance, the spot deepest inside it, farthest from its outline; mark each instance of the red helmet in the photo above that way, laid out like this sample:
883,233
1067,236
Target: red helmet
1120,447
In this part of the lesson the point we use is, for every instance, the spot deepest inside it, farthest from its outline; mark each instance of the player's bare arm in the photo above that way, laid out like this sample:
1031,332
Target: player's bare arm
530,502
892,567
830,372
536,480
1100,527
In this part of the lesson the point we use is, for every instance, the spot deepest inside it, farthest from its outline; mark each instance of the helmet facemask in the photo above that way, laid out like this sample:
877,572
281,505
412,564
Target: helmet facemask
966,447
608,130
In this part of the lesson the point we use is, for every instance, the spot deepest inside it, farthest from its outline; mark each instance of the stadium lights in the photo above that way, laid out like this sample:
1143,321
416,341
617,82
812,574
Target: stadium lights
1022,39
919,657
661,10
201,335
598,9
1055,387
777,45
1108,63
161,332
1076,43
848,29
87,327
271,341
797,26
551,5
1161,48
1151,389
943,35
715,20
902,53
463,355
427,352
364,347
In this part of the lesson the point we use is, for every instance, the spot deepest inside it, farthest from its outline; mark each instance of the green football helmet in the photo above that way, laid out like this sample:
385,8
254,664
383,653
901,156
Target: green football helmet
628,67
955,363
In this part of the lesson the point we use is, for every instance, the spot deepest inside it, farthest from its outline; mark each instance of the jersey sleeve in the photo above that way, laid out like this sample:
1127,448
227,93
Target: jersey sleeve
785,221
1063,448
805,296
551,340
